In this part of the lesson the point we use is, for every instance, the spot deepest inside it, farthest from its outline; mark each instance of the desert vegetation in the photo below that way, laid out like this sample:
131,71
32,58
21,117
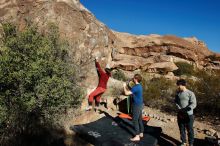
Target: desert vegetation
160,92
119,75
184,69
38,83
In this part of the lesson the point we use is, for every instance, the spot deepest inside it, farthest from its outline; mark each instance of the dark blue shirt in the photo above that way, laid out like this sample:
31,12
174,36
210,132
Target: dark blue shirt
137,93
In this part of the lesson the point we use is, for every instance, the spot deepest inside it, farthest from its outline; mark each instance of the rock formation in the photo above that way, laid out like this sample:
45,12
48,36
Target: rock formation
89,37
142,51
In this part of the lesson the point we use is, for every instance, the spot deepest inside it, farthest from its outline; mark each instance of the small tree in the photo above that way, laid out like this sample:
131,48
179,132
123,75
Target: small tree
184,69
207,91
158,93
119,75
38,80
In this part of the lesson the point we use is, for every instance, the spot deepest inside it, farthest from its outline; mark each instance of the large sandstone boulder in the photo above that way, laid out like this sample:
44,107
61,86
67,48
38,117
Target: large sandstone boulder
89,38
159,49
164,67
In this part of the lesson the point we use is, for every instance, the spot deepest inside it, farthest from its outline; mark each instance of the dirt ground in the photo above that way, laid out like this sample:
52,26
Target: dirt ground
170,131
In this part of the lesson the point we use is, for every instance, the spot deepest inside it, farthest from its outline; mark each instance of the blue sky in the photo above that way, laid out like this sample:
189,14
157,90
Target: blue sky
183,18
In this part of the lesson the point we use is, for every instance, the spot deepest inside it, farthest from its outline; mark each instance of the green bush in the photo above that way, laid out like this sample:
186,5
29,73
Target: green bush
207,91
119,75
158,93
116,91
38,80
184,69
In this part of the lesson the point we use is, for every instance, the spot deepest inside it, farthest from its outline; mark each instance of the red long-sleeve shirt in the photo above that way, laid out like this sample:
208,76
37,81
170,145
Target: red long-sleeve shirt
103,76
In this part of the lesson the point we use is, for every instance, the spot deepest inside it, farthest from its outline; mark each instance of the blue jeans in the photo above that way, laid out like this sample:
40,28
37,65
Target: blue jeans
137,119
186,125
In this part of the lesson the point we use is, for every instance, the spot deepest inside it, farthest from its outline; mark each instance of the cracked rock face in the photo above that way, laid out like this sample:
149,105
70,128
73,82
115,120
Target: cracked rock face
89,38
145,50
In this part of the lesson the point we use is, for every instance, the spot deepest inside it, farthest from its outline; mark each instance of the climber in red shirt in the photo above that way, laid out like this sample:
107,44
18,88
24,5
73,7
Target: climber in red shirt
101,88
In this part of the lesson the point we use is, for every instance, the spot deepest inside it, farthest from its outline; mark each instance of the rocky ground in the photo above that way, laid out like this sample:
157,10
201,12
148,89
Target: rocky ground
205,132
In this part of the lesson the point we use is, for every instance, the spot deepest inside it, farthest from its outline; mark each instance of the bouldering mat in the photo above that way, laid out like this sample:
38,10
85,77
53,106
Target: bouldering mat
109,131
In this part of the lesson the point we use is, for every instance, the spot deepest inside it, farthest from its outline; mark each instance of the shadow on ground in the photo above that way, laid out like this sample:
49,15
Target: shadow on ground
166,140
